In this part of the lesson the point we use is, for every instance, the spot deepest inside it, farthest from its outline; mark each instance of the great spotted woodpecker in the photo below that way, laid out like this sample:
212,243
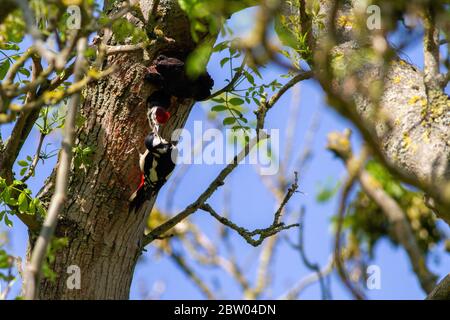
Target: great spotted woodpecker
156,164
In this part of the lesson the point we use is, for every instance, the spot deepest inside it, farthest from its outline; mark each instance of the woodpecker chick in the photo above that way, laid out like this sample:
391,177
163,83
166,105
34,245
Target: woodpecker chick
156,164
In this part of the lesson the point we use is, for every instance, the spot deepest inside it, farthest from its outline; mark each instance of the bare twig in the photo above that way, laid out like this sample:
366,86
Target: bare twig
405,235
265,105
249,235
394,214
16,66
35,159
310,265
181,262
230,86
40,248
303,283
353,170
34,32
215,184
110,50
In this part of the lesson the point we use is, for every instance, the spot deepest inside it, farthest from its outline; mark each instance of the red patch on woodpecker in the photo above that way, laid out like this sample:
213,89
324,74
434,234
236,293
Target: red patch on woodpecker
161,115
142,182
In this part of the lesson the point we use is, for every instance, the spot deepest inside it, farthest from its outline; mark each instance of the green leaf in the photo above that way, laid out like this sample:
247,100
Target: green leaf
32,208
218,100
23,202
229,121
285,34
236,101
23,171
221,46
223,61
9,46
6,196
25,72
41,209
22,163
326,193
197,60
8,222
219,108
249,77
4,67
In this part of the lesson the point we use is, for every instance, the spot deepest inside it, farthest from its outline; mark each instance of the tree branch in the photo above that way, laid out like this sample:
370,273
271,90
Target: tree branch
353,169
40,248
35,159
215,184
441,291
274,228
395,215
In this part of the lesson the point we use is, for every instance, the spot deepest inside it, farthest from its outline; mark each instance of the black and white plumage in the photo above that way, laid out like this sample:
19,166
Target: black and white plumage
156,164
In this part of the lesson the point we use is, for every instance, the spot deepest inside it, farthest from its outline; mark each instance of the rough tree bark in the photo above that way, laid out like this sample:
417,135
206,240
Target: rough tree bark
105,240
411,123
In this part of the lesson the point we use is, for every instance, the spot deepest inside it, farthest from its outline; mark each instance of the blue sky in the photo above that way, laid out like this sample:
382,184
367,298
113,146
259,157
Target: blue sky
252,206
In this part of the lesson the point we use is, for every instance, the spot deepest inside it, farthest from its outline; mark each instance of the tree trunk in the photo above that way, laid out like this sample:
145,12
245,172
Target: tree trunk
412,121
104,237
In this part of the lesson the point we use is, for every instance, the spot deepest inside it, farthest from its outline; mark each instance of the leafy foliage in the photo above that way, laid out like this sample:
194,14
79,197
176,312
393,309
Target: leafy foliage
368,224
247,92
82,156
290,33
56,245
327,191
208,16
16,198
6,264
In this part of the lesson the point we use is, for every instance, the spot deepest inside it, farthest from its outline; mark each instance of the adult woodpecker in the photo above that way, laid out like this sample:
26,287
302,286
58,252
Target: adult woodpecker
156,164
